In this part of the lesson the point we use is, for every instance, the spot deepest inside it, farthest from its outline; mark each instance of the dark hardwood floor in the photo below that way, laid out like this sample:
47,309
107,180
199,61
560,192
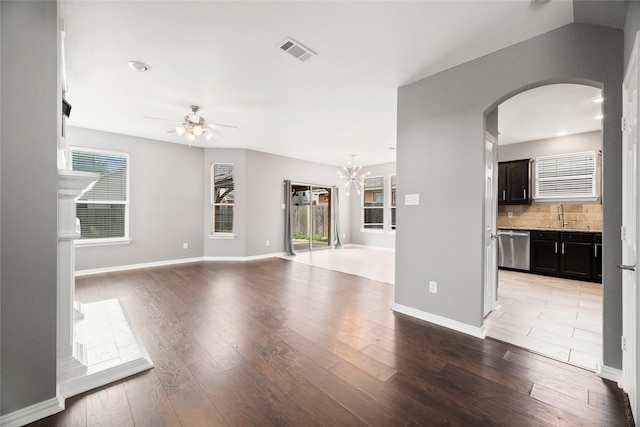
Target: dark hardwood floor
273,342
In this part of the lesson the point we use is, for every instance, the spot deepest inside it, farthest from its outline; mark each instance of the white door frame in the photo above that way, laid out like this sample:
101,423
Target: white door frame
630,229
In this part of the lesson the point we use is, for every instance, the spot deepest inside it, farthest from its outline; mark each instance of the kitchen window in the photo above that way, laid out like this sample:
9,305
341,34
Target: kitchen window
103,211
373,203
222,199
567,177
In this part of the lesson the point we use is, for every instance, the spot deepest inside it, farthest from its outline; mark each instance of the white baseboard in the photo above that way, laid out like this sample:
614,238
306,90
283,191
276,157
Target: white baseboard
474,331
609,373
136,266
79,385
32,413
243,258
358,245
88,272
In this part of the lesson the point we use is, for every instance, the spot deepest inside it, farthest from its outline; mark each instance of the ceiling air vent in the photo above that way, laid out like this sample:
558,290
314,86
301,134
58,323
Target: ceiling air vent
296,50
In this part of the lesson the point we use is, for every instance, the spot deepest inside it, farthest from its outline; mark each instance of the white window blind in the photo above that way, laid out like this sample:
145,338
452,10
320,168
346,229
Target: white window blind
103,210
567,177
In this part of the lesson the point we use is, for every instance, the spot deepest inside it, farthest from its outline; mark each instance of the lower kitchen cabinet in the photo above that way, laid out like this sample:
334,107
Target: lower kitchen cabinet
567,254
575,260
544,252
597,257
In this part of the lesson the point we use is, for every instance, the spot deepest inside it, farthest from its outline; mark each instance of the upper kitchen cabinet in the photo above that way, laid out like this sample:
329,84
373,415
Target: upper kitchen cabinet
514,182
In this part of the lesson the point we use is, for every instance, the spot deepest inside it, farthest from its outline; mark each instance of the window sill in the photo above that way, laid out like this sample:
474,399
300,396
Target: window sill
101,242
222,236
372,230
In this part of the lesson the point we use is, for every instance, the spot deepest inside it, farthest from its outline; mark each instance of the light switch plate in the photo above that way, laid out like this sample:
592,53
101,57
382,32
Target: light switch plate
411,199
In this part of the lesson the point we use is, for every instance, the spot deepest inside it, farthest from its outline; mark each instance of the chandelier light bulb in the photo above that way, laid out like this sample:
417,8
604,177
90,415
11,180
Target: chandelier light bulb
352,176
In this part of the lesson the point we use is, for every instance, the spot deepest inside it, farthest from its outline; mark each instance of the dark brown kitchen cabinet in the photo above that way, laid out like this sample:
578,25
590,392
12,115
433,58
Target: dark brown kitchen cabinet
567,254
597,257
544,252
514,182
575,255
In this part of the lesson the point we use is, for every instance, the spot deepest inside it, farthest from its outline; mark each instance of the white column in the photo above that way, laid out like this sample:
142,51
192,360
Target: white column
71,355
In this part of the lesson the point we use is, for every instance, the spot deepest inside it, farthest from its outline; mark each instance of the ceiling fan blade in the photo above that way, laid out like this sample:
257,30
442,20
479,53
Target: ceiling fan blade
158,118
171,131
219,125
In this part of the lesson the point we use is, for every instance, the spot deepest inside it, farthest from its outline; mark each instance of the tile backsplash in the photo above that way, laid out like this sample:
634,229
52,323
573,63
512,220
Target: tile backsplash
544,215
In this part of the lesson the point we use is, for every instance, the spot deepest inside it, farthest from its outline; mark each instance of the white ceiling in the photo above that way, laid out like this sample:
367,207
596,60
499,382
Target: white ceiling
224,57
547,111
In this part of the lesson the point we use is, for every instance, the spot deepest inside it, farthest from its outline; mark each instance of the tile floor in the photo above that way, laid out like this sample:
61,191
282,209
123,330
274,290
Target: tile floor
559,318
372,263
109,339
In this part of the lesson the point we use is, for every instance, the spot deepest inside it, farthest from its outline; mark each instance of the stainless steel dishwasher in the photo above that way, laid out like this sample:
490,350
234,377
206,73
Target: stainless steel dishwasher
513,249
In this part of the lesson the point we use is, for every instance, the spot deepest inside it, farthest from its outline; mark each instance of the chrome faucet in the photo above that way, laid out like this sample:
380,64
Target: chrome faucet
560,210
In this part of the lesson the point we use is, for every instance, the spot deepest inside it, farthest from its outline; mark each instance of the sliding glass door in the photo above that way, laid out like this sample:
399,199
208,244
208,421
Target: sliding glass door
310,217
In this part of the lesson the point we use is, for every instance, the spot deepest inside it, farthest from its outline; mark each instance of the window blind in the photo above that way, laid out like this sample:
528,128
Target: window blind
102,211
566,177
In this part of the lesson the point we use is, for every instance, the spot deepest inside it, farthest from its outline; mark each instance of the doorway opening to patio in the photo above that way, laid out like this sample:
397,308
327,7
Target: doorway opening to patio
311,216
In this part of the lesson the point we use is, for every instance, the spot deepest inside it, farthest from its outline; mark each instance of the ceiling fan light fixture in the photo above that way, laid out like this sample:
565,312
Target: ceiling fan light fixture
191,137
180,130
197,130
207,136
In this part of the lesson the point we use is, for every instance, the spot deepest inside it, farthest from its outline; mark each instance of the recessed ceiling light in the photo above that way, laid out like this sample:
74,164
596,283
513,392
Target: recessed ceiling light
139,66
598,100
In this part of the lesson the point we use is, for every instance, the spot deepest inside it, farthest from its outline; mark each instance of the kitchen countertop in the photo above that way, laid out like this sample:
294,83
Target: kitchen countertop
573,230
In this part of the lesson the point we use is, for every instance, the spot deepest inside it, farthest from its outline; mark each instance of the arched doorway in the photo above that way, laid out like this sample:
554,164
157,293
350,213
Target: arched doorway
543,307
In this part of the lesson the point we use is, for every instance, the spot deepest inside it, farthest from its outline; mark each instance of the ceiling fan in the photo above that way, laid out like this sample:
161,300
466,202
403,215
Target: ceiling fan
194,125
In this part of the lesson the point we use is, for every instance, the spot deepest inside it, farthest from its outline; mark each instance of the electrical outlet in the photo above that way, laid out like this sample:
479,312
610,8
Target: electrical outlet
509,214
267,243
433,287
185,246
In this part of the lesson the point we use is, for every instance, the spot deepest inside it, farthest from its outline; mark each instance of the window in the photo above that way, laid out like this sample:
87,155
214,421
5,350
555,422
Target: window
373,202
393,201
222,197
103,211
571,177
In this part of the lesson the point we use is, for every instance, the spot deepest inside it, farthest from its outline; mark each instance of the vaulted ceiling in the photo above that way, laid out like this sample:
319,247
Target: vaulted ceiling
225,57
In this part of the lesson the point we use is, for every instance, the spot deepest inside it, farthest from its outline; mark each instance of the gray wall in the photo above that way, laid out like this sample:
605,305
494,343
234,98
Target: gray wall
589,141
383,238
28,193
259,196
225,247
171,202
631,27
440,156
165,201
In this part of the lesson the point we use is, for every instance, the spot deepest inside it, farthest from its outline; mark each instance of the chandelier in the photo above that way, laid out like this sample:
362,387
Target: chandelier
193,126
352,176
